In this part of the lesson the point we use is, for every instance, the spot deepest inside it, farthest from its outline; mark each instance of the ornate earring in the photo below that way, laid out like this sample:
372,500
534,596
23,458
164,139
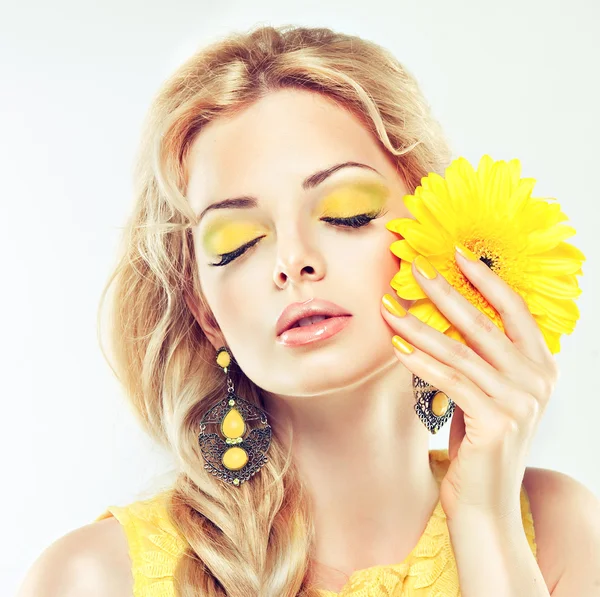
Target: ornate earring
433,406
240,456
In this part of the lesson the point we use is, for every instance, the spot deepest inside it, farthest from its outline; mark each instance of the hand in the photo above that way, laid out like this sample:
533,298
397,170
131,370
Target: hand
500,381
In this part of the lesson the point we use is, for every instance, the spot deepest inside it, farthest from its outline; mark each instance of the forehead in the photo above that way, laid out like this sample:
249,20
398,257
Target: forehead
272,145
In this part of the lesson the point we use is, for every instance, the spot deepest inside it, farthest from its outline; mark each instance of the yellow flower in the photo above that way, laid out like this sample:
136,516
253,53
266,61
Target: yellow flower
520,237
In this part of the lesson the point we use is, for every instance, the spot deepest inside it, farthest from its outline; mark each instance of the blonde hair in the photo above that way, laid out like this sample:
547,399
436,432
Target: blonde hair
255,539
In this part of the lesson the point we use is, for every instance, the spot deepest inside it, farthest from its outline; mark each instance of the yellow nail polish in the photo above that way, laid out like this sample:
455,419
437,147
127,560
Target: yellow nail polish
465,252
425,268
393,306
402,345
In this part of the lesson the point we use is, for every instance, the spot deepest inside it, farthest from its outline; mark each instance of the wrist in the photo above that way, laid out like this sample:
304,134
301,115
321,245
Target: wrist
469,519
493,556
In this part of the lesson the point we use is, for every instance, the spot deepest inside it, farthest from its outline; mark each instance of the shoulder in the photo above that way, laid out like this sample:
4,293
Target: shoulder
566,517
90,561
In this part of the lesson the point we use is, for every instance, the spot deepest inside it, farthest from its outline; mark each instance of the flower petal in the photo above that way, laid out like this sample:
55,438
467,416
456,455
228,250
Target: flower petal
441,210
402,249
405,285
520,196
562,259
463,187
552,339
543,214
542,304
545,239
514,168
417,208
423,239
560,287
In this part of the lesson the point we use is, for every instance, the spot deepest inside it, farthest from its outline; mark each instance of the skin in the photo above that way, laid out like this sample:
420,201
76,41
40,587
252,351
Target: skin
347,398
355,411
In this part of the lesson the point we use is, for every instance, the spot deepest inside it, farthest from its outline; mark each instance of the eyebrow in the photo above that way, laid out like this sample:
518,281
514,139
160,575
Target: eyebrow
247,201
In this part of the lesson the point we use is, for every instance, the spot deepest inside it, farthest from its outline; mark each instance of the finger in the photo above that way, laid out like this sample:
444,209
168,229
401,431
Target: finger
514,398
479,331
476,327
471,399
451,352
457,432
519,324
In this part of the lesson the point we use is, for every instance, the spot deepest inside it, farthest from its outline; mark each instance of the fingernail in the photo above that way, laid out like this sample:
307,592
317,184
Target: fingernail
424,267
402,345
393,306
465,252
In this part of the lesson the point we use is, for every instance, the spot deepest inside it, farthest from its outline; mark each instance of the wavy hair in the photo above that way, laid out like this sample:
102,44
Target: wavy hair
255,539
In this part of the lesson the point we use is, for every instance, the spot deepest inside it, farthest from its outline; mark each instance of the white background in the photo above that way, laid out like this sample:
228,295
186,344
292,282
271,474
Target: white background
512,79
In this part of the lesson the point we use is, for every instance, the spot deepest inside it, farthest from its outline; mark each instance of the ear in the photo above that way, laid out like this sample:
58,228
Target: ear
206,321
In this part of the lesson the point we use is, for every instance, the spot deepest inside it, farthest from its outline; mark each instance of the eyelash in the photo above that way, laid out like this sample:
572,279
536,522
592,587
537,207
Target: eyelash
357,221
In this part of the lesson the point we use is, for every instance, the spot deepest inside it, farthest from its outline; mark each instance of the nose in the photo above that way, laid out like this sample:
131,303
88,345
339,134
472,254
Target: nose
298,260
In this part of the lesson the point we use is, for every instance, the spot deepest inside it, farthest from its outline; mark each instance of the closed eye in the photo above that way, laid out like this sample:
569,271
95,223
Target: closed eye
357,221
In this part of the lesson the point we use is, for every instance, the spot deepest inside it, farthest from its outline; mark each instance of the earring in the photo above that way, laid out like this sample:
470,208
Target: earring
433,406
237,458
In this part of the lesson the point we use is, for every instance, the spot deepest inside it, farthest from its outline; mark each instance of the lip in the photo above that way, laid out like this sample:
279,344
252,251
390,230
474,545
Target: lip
296,311
315,331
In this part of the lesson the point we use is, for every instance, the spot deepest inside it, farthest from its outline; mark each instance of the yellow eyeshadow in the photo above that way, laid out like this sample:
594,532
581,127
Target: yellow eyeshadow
224,238
225,235
358,198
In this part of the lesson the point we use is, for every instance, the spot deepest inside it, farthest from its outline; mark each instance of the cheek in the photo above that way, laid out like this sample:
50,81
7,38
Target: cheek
390,263
238,299
370,262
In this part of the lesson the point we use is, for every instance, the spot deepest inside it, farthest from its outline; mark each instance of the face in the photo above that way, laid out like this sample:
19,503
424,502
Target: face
293,254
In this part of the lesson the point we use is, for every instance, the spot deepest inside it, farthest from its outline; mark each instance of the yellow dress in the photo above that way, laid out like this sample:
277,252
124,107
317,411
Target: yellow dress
428,571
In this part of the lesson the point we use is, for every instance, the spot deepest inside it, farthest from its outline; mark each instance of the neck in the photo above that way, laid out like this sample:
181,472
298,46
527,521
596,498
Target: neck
364,457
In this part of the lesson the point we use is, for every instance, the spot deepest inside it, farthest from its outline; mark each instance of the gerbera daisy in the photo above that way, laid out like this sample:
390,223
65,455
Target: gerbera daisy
520,237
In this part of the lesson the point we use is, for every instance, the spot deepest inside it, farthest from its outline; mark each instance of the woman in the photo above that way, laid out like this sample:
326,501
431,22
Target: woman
270,164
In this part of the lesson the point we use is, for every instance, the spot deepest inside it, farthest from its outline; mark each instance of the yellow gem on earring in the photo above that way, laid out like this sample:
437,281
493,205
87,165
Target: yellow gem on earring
233,424
235,458
223,359
440,404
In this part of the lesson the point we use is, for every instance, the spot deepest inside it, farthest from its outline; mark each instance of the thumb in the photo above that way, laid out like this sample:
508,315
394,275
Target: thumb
457,432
